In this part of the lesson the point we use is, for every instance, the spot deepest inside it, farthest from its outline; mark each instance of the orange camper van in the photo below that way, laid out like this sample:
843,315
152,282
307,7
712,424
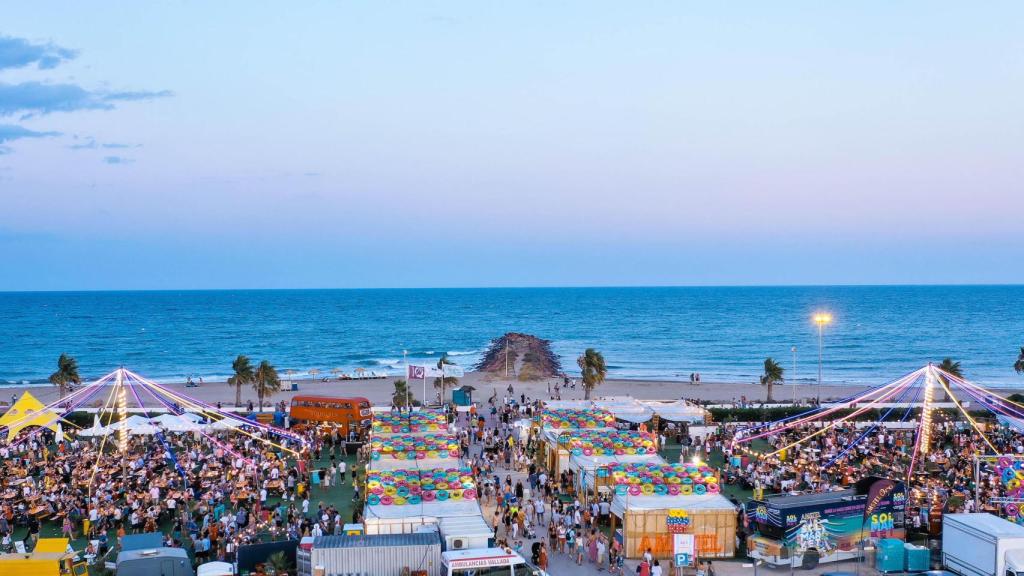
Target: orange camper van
347,413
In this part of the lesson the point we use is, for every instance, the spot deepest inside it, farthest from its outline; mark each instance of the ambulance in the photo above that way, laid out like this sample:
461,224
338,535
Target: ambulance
486,562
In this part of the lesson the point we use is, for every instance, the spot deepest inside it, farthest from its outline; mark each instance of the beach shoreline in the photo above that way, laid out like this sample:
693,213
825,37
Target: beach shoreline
378,390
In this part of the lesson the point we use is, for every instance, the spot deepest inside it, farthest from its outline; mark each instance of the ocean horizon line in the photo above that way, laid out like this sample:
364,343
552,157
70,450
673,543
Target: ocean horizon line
523,287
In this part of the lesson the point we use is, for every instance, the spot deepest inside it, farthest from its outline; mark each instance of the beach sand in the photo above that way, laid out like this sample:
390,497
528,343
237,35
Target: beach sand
378,391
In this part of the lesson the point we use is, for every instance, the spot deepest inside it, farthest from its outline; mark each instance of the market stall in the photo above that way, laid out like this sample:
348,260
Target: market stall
415,422
650,522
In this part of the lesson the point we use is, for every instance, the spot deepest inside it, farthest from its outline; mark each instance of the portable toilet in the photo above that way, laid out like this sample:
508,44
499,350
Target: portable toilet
889,557
918,558
462,396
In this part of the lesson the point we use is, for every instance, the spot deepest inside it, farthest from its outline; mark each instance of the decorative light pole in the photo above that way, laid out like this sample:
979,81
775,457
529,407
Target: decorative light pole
794,374
821,319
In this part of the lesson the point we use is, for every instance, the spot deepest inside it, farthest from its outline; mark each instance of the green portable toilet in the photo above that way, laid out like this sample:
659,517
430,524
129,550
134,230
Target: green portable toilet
889,557
918,558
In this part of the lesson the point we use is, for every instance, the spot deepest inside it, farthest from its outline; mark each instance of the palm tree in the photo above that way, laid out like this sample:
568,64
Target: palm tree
265,381
948,365
400,396
772,375
444,381
66,374
592,370
243,375
953,368
279,563
1019,364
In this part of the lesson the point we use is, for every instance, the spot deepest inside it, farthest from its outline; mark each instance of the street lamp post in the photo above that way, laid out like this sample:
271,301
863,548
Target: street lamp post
821,319
794,375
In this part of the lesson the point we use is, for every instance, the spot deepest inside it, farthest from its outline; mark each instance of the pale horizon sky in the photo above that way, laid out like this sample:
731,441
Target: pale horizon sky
335,144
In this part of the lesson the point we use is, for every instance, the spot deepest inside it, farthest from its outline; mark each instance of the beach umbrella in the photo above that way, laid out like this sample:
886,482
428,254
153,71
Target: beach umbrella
314,372
336,371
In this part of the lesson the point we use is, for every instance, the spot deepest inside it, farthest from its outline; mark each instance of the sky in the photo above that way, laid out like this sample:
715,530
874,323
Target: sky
181,145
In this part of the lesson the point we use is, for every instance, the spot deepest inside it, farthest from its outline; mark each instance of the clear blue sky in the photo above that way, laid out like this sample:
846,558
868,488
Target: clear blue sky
322,144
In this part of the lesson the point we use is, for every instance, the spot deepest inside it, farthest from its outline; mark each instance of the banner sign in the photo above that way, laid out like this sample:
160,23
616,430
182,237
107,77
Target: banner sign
879,491
421,371
683,550
678,520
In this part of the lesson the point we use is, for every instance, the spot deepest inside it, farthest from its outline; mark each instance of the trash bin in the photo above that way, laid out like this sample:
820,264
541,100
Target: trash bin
890,555
918,558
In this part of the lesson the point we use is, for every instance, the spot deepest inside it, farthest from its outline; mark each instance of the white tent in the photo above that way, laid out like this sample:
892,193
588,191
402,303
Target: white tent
676,411
215,569
225,424
388,464
407,518
140,430
585,467
174,423
690,502
625,408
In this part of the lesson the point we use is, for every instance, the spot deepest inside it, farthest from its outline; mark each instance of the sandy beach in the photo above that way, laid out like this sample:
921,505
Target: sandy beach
378,391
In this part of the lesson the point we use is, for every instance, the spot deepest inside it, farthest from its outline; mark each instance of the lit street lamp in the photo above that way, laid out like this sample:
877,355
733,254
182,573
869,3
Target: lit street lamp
821,319
794,375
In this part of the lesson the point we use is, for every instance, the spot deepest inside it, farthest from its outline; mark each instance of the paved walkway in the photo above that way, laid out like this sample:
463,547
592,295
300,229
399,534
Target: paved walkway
561,565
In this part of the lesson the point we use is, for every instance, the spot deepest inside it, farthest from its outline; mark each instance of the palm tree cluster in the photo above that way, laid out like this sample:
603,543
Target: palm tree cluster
263,379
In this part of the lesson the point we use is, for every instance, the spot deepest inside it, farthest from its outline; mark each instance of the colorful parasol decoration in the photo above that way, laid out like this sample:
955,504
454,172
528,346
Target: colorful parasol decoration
408,447
401,487
609,442
568,418
1011,475
415,422
663,479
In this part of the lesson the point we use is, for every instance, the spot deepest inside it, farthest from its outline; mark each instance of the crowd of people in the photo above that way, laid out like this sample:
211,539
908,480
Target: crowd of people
212,492
217,491
943,477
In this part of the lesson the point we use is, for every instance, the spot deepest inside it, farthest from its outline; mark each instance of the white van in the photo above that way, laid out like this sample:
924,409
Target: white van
486,562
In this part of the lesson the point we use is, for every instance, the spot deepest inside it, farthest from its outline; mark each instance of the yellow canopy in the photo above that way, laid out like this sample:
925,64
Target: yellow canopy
28,412
52,545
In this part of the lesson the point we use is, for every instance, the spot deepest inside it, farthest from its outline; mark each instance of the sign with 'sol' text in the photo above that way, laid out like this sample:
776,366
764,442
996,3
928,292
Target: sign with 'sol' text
683,549
678,520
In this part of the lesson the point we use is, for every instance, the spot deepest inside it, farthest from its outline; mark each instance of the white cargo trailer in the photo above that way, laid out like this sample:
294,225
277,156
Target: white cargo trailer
373,555
982,545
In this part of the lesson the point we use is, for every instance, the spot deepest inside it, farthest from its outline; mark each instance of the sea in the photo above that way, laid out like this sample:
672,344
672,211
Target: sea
877,334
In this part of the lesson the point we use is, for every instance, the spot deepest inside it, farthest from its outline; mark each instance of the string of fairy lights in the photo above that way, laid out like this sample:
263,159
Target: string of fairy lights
115,407
926,381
